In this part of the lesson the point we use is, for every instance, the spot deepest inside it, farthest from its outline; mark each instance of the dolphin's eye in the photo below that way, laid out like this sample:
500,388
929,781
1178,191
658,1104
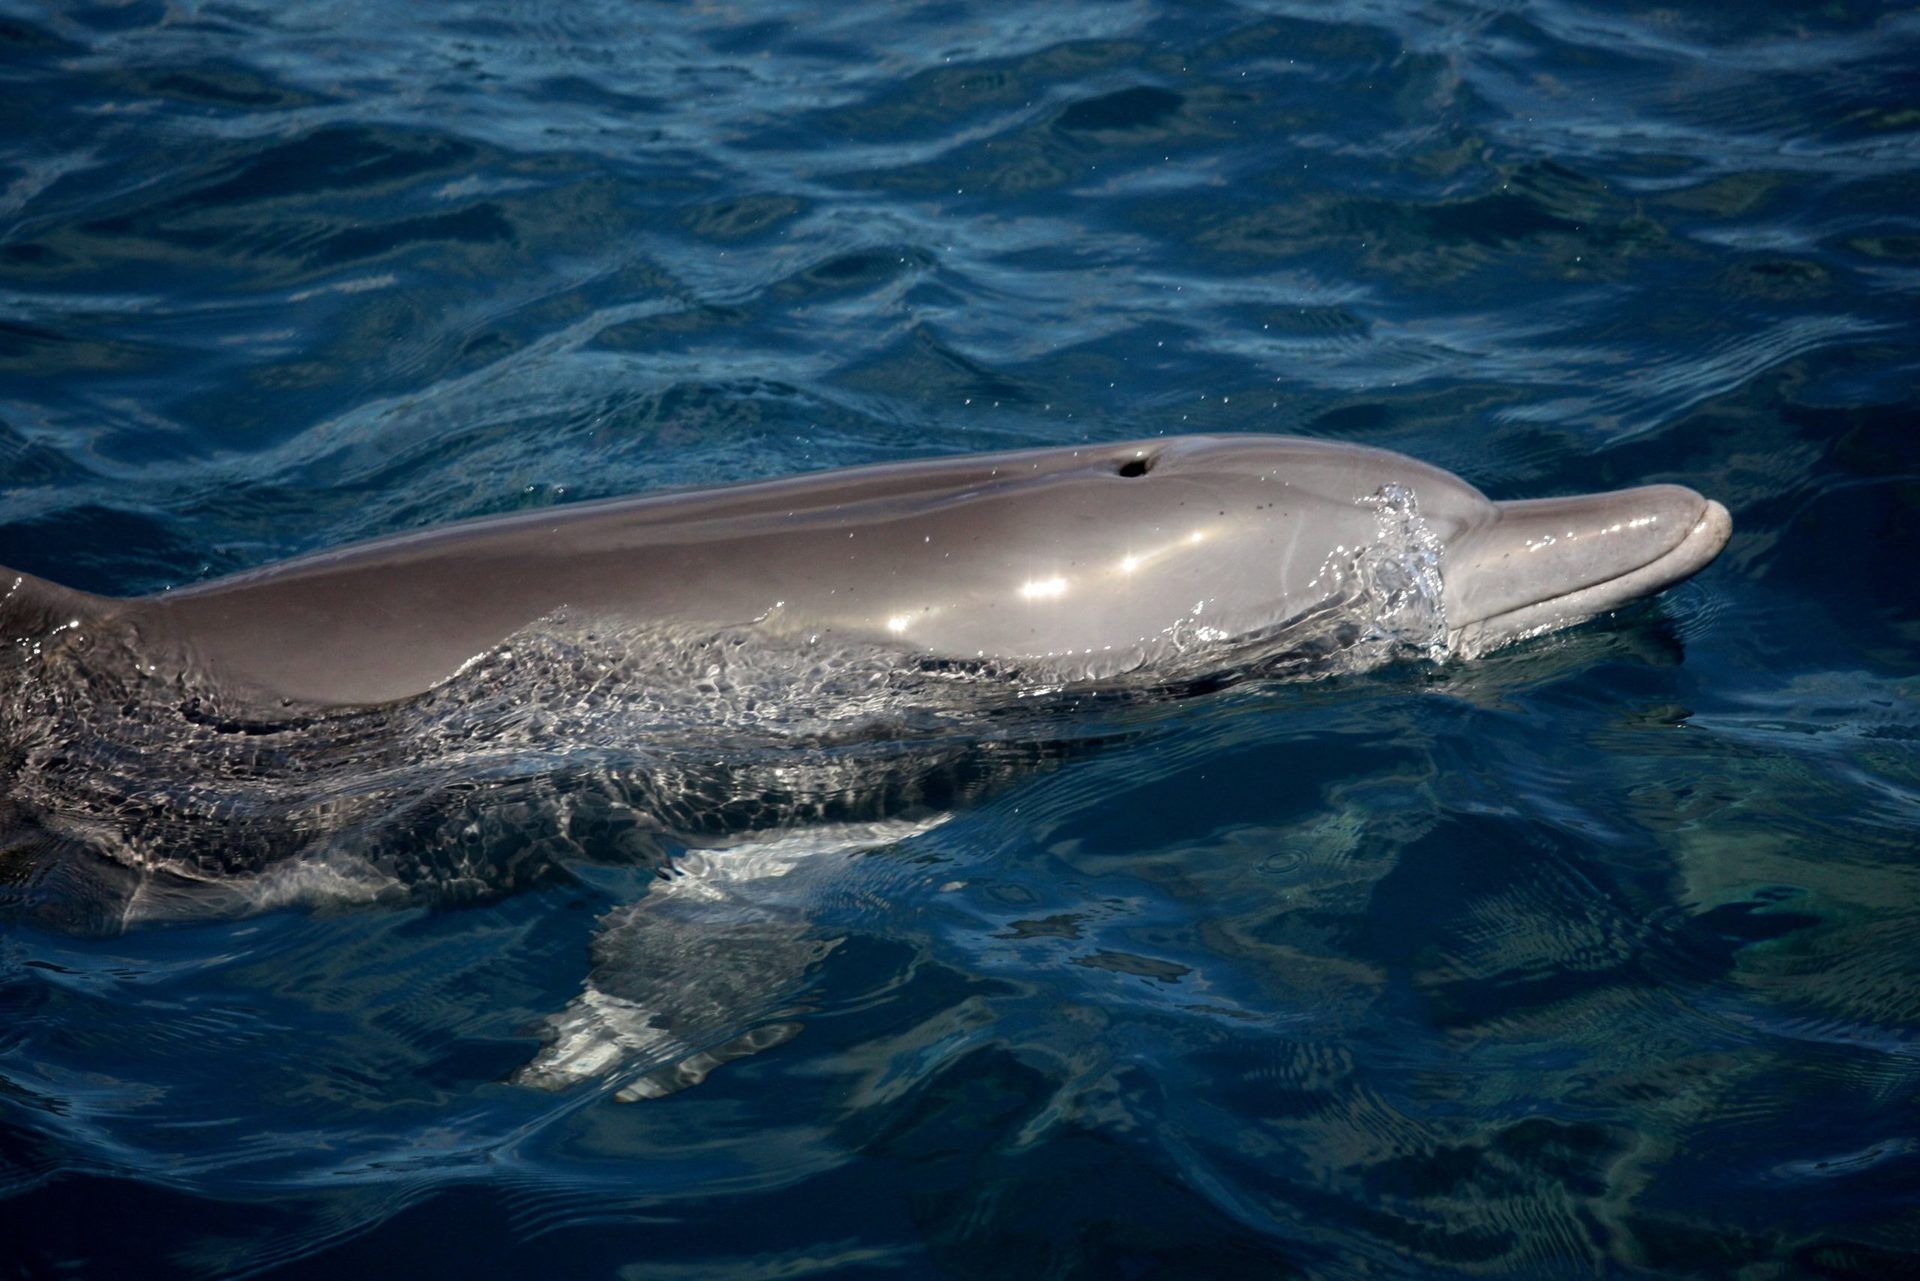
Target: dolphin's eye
1135,466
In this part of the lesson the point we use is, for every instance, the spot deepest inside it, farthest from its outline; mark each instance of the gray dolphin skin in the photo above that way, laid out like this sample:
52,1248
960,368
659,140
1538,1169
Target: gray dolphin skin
1085,563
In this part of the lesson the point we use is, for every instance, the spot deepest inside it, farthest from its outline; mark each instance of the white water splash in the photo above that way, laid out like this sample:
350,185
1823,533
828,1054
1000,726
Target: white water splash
1402,570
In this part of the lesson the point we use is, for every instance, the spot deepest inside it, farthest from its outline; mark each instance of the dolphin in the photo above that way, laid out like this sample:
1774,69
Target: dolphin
1081,564
796,671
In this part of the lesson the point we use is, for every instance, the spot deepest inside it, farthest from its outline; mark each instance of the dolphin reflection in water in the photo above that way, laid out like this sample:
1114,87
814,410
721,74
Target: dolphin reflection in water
826,661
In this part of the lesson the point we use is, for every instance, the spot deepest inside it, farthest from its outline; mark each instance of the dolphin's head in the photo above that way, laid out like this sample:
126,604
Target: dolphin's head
1287,509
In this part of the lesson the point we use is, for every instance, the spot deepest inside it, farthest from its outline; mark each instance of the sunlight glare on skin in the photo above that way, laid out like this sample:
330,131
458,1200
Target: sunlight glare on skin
1054,586
1132,562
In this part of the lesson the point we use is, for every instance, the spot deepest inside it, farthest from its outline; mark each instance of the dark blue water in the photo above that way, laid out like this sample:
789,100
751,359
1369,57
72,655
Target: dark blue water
1600,956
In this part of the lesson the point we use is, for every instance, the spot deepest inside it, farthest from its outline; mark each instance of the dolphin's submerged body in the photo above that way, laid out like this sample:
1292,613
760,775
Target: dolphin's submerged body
473,708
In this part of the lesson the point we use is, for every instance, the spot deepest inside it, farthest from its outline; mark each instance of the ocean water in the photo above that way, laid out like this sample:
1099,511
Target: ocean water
1599,955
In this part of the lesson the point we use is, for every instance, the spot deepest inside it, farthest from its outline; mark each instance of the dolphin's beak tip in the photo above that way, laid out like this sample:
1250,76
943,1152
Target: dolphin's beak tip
1716,524
1706,535
1548,562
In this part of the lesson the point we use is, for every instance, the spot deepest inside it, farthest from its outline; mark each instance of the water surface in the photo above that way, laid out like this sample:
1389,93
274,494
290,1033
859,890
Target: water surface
1593,957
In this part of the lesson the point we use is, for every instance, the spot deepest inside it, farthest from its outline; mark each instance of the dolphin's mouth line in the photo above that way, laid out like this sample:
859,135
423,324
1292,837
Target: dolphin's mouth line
1693,552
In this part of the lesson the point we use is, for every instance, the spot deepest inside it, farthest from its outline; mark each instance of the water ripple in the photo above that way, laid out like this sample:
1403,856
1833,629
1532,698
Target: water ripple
1591,956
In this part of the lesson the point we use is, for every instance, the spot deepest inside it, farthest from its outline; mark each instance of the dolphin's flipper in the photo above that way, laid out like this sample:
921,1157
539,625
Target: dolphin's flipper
667,988
704,969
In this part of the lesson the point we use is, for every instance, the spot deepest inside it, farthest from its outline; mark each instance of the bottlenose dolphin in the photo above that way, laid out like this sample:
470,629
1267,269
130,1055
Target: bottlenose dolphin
827,661
1084,563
